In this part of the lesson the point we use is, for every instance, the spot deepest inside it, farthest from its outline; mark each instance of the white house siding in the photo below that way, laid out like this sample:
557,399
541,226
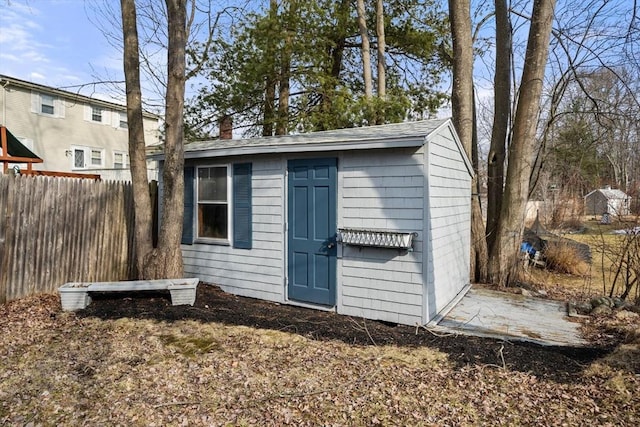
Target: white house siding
256,272
449,217
381,189
54,136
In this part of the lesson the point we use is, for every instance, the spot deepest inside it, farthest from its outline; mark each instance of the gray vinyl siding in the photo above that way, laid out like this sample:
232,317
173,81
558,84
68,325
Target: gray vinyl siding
257,272
382,190
449,193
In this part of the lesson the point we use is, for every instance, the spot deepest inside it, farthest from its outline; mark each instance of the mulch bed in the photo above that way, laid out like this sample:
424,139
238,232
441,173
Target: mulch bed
215,306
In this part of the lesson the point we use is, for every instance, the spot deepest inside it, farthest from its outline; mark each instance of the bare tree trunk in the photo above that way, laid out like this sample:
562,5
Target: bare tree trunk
382,46
138,163
271,79
366,55
463,106
500,130
269,106
503,256
479,251
282,124
166,260
382,76
336,52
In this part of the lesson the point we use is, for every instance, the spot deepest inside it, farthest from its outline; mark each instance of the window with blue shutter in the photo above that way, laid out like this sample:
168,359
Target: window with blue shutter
242,227
187,219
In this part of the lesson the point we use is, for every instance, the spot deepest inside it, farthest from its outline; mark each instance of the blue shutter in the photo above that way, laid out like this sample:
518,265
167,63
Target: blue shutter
242,227
189,197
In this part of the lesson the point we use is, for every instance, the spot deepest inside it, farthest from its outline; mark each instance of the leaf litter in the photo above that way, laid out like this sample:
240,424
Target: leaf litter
138,361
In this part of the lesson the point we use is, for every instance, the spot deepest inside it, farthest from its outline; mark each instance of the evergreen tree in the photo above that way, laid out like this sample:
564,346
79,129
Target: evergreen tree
297,66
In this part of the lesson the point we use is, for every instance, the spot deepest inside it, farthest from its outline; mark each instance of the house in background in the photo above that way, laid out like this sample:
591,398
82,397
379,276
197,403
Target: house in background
71,132
607,201
371,222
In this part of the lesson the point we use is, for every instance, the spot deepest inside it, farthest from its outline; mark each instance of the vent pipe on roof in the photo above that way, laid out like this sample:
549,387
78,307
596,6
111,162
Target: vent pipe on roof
226,127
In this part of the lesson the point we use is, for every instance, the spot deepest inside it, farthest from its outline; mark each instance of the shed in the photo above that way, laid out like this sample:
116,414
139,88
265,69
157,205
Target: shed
607,201
371,222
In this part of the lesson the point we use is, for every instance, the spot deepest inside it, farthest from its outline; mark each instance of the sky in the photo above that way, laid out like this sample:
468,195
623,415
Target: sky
54,43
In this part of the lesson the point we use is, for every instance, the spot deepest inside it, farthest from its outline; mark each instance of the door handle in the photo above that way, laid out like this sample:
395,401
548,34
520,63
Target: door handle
330,245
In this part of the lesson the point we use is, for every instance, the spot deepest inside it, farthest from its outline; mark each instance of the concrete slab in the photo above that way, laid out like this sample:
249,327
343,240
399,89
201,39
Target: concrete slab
502,315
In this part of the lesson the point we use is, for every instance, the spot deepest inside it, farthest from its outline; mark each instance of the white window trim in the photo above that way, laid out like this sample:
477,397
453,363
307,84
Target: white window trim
125,159
91,165
210,240
102,114
126,120
42,104
58,105
105,116
75,148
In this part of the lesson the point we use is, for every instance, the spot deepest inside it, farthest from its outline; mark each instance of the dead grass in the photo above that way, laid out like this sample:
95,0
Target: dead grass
60,369
573,279
564,258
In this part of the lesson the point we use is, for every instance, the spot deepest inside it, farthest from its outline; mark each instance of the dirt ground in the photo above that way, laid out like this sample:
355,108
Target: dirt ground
215,306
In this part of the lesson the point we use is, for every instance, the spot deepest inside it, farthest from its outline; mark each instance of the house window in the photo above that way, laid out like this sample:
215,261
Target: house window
47,104
96,157
96,114
119,160
85,157
123,121
78,158
213,203
218,186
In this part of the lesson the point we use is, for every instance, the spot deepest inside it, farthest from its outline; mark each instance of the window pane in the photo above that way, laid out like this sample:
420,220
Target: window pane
118,160
96,114
212,221
78,158
123,121
212,184
96,157
46,104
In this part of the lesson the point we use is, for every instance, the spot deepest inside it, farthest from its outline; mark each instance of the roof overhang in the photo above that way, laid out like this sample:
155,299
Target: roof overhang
306,148
411,134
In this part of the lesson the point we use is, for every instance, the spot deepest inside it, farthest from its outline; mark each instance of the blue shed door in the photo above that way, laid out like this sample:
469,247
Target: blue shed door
312,231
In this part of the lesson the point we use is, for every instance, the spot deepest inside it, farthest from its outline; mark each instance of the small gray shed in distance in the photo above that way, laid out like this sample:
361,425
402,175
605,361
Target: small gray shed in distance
607,201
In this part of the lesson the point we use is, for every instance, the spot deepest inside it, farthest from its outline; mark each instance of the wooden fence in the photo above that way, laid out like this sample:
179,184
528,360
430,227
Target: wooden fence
58,230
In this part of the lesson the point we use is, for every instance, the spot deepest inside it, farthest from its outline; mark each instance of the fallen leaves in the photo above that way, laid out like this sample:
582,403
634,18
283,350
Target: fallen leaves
59,369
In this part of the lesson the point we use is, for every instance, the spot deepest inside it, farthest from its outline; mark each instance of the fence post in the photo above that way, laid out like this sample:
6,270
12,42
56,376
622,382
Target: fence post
6,231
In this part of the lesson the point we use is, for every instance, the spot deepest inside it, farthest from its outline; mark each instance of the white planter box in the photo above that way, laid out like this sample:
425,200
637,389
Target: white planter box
183,293
75,296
